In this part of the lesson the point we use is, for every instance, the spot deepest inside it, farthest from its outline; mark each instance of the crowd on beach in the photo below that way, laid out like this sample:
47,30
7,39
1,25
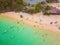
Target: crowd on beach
38,20
44,21
52,20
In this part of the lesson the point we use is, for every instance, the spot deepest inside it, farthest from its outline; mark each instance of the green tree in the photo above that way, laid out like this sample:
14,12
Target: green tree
38,7
46,13
47,7
31,11
12,4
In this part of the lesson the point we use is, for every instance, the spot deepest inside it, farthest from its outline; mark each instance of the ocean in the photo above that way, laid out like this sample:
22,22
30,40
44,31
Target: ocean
33,1
14,33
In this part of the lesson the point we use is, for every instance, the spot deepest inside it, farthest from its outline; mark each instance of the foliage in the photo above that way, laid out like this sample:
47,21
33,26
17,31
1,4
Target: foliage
20,5
31,11
12,4
46,13
47,7
38,7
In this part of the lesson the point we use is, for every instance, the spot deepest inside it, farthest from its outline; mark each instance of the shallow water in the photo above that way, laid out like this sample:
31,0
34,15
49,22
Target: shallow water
34,1
13,33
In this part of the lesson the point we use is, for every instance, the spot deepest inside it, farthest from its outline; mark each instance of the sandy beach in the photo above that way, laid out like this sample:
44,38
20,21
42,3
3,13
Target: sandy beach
57,5
36,20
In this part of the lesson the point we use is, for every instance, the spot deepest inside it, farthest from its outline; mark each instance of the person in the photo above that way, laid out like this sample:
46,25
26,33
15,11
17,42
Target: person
21,16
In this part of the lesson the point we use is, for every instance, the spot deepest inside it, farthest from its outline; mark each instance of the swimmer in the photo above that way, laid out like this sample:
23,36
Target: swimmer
17,22
12,26
5,30
12,37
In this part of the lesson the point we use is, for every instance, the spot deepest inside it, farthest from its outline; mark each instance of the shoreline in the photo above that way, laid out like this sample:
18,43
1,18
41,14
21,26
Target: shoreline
35,21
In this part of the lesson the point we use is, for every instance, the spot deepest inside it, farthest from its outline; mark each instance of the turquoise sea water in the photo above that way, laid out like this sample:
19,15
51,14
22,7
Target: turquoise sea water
33,1
13,33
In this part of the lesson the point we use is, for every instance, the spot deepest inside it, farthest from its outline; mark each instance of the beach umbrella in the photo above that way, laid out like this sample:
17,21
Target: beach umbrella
56,22
59,28
51,22
21,16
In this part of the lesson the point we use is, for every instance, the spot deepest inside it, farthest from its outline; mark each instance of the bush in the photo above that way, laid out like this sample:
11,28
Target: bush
47,7
12,5
31,11
46,13
38,7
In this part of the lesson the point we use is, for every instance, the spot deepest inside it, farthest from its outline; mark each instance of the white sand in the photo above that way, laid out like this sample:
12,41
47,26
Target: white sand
57,5
37,20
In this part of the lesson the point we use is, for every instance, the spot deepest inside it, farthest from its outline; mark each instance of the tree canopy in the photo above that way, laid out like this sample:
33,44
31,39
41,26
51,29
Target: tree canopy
12,4
38,7
21,5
